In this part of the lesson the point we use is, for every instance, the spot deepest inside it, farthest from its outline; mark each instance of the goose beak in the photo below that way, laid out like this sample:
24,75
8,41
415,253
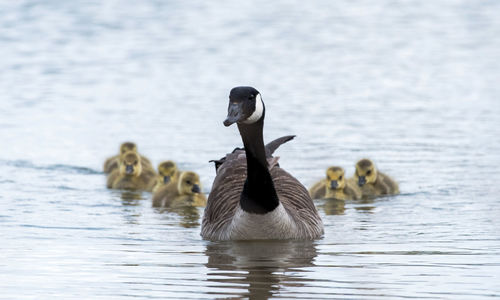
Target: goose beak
166,179
234,113
334,184
361,180
196,189
129,169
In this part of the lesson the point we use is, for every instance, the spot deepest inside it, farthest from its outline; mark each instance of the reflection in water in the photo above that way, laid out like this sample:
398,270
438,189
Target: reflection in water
190,217
131,201
365,206
333,206
267,265
131,198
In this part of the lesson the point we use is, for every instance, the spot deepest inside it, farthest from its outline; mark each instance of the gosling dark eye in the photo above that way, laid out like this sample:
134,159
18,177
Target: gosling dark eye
369,172
188,182
340,177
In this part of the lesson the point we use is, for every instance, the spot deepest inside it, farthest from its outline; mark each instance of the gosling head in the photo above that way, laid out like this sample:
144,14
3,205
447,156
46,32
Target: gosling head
130,164
189,183
167,170
245,106
365,172
128,146
335,178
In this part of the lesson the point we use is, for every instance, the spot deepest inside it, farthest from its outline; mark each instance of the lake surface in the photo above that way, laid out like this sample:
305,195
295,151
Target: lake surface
413,85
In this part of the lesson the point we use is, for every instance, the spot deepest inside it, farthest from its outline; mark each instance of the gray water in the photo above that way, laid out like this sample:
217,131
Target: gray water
414,85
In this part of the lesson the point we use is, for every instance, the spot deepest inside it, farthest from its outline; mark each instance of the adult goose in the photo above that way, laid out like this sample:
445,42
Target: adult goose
252,197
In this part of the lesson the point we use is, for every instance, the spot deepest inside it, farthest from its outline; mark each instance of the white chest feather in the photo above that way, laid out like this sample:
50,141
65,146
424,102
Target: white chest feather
274,225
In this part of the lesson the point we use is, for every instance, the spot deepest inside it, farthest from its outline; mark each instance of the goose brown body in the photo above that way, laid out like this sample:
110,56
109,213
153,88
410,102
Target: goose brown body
223,202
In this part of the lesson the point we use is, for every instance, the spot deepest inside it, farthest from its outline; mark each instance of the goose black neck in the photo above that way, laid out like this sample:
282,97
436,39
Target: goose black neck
259,195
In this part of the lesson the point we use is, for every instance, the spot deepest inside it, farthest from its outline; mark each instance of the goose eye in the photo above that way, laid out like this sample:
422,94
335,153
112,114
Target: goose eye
340,177
369,172
188,182
135,162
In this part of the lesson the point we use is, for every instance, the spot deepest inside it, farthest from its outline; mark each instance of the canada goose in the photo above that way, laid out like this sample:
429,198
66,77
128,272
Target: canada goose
185,192
373,182
113,162
131,175
335,186
252,197
167,172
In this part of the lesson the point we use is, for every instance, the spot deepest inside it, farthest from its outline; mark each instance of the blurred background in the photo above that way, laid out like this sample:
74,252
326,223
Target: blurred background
413,85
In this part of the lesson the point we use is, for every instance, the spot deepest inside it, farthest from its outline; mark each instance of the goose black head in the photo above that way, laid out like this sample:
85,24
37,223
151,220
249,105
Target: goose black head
245,106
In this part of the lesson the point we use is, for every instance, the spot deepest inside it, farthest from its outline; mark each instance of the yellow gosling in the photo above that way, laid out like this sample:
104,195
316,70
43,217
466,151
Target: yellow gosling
167,173
185,192
373,182
113,162
131,175
337,187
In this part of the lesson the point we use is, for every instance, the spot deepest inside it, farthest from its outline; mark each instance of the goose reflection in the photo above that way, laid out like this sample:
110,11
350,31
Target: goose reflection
258,268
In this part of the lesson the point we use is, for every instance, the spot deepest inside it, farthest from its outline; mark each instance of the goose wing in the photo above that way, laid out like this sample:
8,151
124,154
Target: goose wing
225,195
270,148
273,145
298,203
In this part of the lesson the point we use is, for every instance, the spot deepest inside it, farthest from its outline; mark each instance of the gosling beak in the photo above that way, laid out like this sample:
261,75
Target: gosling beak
334,184
361,180
129,169
166,179
234,113
196,189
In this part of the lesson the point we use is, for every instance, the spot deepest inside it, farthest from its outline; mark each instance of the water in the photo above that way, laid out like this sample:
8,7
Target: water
412,85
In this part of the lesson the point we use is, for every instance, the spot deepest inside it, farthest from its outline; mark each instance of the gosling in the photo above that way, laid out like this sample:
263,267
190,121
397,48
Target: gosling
113,162
373,182
335,186
185,192
131,175
167,173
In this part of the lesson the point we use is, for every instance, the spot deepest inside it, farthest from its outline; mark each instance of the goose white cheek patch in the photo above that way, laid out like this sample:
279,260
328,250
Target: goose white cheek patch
259,109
